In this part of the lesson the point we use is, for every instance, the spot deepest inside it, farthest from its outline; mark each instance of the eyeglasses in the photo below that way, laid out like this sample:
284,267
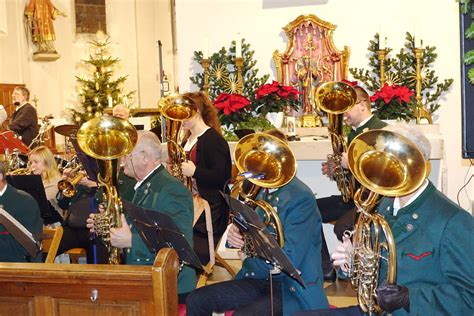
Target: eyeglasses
132,154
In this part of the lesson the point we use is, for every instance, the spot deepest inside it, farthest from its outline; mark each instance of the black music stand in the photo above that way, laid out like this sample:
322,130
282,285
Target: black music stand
33,185
159,231
266,247
89,164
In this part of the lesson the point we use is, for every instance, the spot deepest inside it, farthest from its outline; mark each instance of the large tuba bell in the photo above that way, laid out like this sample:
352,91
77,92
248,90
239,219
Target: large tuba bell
176,109
336,98
108,138
264,161
385,163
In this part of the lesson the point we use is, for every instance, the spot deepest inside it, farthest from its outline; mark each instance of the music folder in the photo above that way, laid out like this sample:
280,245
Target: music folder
22,235
158,230
33,185
266,247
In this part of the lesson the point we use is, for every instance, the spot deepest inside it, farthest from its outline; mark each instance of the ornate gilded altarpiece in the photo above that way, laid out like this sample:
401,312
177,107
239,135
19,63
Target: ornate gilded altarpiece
310,58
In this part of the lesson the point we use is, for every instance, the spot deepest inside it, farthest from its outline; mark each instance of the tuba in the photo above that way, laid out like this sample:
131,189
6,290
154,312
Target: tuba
385,163
336,98
108,138
176,109
264,161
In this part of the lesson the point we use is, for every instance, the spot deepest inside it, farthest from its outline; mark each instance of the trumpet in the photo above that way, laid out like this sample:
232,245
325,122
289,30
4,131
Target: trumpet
68,186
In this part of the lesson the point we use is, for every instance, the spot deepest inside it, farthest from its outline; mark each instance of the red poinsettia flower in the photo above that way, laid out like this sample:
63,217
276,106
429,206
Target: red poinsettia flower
267,88
404,93
230,103
351,83
287,91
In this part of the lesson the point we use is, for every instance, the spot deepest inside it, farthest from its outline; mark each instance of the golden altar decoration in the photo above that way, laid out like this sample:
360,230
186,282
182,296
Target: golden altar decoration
310,58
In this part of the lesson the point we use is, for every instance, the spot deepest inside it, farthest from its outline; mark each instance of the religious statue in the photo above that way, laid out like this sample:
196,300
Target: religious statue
39,19
308,79
307,73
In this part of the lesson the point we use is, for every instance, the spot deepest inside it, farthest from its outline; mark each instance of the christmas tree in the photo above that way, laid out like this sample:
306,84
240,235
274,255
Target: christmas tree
100,90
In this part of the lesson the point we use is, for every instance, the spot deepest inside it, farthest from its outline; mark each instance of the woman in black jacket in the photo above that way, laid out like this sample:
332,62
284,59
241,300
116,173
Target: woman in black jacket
209,165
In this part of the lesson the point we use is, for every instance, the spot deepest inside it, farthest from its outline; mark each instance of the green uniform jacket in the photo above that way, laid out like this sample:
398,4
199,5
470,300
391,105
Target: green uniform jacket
373,123
163,192
435,253
299,215
24,209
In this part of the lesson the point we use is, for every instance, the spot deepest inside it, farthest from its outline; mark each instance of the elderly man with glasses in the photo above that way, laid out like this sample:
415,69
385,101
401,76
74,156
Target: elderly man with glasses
156,189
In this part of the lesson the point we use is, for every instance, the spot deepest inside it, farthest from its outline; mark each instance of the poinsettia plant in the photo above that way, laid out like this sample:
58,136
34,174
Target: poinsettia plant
275,97
233,108
393,102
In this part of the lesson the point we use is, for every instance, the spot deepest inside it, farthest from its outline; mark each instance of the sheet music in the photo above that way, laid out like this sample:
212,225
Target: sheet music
7,221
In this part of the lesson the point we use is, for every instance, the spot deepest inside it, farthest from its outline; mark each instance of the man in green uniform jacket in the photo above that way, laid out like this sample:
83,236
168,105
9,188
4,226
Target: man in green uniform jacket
157,190
434,247
24,209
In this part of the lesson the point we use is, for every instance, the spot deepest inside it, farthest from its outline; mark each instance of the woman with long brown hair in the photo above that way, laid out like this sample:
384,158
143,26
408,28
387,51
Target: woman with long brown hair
210,166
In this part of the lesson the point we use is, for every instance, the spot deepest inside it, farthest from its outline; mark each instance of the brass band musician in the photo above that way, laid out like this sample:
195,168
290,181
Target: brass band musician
434,250
333,208
249,293
24,121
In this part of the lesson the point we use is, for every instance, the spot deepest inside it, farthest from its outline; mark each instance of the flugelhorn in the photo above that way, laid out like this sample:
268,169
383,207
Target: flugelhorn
385,163
270,163
336,98
68,186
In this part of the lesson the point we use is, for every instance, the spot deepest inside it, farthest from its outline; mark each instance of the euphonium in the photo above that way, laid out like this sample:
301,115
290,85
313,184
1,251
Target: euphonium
267,162
336,98
176,109
68,186
108,138
385,163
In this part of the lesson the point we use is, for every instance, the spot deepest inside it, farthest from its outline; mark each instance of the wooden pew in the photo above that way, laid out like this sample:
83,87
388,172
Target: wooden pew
71,289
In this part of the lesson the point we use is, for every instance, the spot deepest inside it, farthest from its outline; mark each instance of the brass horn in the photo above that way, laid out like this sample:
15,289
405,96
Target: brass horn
273,161
176,109
385,163
336,98
68,186
108,138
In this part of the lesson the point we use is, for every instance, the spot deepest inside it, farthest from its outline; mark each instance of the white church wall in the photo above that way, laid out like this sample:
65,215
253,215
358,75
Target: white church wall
260,22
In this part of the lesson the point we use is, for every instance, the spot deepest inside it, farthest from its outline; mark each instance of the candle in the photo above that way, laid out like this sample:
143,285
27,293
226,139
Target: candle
382,40
125,100
206,48
238,46
110,101
420,44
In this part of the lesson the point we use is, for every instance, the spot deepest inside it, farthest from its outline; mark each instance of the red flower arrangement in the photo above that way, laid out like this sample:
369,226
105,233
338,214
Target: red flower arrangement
275,97
393,102
230,107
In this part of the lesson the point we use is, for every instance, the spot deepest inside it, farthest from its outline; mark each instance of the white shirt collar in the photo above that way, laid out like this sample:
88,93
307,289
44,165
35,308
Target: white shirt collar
139,183
396,201
363,122
4,189
20,106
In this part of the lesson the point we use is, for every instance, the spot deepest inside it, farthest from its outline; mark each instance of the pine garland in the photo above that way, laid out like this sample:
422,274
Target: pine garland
402,71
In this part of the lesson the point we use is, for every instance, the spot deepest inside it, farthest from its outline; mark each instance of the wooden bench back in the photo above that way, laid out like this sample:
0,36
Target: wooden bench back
71,289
